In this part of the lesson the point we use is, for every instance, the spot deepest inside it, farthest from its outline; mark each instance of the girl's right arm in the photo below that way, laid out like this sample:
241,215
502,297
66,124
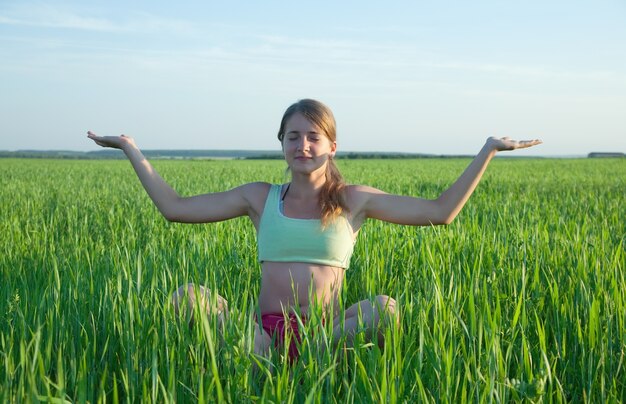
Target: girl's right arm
213,207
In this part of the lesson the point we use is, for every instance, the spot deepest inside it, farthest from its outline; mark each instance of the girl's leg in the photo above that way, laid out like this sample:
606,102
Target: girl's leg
370,316
189,298
262,341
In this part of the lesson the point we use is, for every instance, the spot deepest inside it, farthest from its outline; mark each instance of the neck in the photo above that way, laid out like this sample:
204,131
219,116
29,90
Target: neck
307,186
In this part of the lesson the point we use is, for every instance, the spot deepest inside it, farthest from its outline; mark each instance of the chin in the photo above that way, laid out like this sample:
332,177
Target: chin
307,170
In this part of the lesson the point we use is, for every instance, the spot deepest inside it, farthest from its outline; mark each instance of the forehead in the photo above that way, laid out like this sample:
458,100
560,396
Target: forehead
299,123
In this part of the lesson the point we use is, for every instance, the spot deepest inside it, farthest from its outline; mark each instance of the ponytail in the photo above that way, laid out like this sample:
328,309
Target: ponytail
331,198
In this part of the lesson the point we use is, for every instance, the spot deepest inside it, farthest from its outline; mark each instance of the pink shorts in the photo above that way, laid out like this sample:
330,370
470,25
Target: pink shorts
277,327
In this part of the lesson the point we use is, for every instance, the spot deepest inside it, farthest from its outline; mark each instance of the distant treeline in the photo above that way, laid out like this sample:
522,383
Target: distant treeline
154,154
361,155
605,154
199,154
227,154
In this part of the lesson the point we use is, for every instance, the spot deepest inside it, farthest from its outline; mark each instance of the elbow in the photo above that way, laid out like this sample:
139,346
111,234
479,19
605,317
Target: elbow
175,218
170,215
171,211
171,219
447,220
444,214
442,220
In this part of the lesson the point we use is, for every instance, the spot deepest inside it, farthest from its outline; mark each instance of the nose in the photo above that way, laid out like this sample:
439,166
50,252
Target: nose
303,144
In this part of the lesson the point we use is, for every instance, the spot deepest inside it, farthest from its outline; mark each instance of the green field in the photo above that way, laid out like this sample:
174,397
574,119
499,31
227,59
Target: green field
522,297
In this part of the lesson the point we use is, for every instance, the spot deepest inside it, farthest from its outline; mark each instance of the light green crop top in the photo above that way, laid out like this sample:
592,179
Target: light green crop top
285,239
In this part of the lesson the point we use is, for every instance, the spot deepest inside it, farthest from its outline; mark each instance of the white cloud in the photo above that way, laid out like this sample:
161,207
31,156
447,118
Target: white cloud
47,16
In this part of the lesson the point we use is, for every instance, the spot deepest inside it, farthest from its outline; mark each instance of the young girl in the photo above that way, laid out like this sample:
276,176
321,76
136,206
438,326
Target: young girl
306,229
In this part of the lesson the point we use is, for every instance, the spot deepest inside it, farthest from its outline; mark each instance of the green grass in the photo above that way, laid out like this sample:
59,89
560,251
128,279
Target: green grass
523,297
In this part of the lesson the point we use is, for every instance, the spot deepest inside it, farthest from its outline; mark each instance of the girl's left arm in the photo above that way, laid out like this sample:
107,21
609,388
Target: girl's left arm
416,211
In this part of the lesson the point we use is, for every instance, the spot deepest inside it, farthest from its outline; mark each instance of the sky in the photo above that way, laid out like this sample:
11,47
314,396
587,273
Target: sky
406,76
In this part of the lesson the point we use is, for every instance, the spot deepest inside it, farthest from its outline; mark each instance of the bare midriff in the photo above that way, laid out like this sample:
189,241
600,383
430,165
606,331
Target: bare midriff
296,286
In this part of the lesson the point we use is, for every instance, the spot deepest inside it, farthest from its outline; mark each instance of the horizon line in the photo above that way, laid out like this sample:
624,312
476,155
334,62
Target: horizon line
278,152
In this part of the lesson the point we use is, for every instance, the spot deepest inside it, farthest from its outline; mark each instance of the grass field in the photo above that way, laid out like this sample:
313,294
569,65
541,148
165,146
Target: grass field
522,297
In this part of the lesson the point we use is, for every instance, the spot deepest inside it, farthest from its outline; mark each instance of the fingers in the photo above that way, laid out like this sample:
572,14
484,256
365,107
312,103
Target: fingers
94,137
103,141
528,143
506,143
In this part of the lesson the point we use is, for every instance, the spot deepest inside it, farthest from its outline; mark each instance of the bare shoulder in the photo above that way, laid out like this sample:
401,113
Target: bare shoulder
256,194
357,198
356,194
255,187
359,189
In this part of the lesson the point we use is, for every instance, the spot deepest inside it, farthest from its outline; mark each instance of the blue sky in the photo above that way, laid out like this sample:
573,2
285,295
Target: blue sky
424,77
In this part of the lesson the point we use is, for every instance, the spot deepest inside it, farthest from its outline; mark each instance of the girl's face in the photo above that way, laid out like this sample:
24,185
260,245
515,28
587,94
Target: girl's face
306,147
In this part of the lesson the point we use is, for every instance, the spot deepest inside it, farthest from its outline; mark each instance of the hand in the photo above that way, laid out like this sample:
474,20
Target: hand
116,142
506,143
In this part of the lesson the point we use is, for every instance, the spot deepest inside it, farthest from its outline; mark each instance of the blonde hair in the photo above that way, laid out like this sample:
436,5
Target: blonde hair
331,200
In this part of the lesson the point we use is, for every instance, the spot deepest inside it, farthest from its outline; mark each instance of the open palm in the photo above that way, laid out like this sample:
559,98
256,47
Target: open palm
116,142
506,143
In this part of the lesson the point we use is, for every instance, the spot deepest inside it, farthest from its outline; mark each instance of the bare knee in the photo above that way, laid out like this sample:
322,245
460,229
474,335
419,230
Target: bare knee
262,342
190,297
178,297
385,316
385,307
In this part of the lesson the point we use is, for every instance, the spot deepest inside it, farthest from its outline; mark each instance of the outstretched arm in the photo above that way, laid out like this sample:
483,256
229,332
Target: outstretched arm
196,209
454,198
417,211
